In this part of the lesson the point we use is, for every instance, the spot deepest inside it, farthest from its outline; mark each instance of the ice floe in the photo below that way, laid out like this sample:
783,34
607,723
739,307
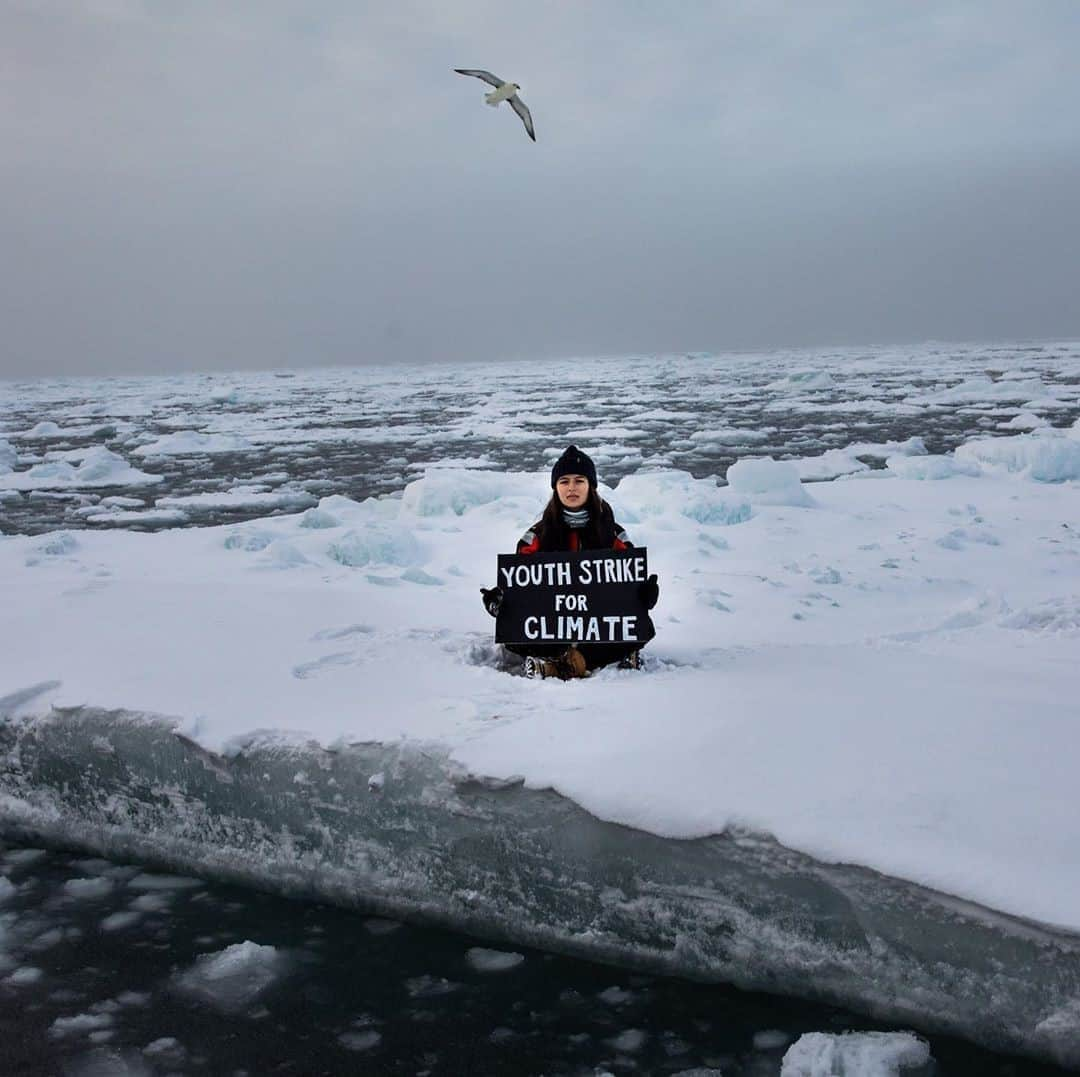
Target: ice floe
230,980
99,467
855,1054
193,443
483,960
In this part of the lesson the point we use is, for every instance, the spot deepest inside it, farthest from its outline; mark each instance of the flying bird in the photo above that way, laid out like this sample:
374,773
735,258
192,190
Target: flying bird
504,91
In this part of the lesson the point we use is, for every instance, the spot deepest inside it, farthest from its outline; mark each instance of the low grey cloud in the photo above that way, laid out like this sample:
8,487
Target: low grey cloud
198,185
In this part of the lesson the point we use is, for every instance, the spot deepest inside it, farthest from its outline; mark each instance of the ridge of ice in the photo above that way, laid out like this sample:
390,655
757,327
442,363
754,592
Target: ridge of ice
1049,456
766,481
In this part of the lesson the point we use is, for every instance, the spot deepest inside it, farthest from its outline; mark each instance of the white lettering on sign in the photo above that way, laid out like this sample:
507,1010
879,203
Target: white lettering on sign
571,602
616,629
611,570
552,573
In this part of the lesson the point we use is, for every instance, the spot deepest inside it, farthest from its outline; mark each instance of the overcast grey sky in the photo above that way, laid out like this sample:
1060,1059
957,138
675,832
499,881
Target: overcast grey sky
206,184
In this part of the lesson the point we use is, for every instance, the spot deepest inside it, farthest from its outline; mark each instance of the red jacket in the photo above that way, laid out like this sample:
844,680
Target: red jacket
609,535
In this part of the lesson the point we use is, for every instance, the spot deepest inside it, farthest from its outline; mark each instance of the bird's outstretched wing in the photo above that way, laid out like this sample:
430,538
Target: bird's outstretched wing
487,76
526,118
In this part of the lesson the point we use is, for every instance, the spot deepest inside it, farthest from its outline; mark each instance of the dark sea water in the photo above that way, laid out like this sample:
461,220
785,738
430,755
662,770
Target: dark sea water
96,979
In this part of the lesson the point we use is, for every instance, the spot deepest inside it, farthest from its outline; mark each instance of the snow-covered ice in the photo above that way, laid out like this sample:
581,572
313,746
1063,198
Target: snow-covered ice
877,670
190,443
98,467
779,617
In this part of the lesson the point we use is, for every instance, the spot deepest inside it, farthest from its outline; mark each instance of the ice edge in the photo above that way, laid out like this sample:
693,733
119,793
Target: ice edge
400,830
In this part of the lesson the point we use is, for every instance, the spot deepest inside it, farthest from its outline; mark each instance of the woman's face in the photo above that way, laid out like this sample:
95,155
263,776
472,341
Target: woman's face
573,490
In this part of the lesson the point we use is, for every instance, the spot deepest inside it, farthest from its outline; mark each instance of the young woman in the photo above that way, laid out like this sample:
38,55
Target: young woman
576,518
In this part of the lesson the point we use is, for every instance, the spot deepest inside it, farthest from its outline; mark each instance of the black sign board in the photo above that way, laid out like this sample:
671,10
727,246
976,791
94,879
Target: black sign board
562,598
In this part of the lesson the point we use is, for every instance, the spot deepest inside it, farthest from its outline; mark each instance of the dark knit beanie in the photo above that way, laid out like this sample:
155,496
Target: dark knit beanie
573,462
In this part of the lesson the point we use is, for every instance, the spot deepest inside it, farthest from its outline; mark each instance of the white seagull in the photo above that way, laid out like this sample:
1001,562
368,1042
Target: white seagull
504,91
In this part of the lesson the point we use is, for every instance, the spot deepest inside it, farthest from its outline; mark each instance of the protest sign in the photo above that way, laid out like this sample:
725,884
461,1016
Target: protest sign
564,598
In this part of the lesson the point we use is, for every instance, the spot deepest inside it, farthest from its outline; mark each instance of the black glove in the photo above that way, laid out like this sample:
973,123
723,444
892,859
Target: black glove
493,597
649,592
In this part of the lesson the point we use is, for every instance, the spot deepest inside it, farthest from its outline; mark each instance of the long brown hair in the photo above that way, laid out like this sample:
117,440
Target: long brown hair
555,535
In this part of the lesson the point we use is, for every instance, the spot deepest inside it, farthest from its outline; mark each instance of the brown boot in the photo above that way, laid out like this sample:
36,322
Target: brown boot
570,664
567,666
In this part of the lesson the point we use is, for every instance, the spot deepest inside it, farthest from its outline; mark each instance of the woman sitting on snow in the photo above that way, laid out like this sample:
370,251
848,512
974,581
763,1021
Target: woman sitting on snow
576,518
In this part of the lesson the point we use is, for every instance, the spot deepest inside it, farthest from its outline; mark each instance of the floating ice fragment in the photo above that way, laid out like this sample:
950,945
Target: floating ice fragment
28,974
191,443
117,921
7,889
83,1022
167,1049
913,446
99,467
47,940
152,902
88,889
93,865
804,379
44,430
493,960
631,1040
231,979
770,1039
1026,420
430,986
120,518
981,390
360,1041
829,465
103,1062
239,499
854,1054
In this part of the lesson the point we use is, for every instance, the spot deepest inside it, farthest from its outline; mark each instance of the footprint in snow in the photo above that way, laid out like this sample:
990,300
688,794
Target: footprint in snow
343,633
310,669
